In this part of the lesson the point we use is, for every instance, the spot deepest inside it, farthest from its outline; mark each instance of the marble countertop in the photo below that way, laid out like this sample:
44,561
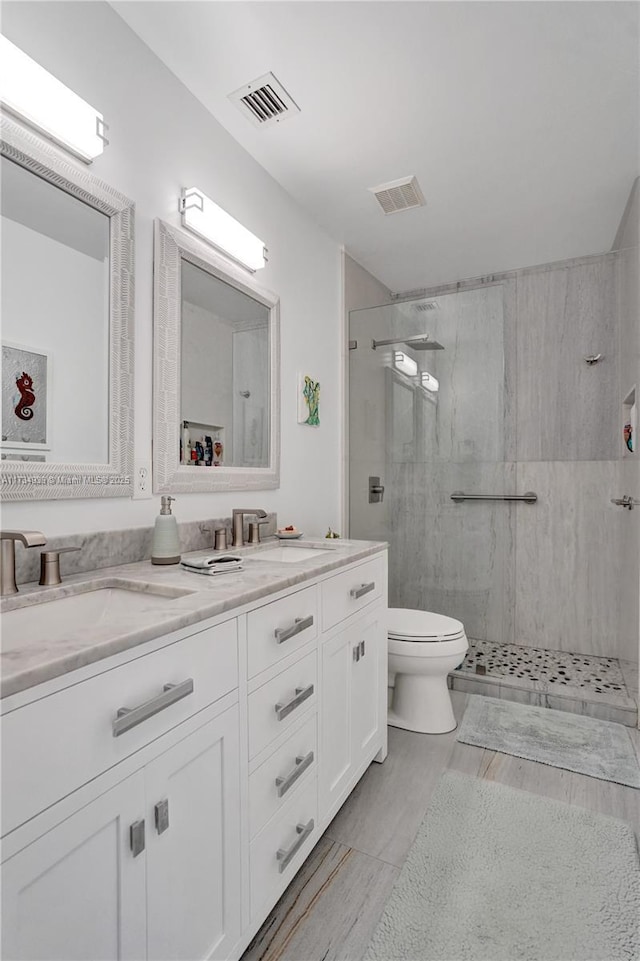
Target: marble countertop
176,599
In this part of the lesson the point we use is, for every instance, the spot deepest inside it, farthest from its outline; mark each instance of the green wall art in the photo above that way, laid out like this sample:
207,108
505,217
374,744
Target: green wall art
308,401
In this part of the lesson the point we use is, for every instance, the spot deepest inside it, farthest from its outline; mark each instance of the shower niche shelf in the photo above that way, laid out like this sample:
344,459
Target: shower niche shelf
630,423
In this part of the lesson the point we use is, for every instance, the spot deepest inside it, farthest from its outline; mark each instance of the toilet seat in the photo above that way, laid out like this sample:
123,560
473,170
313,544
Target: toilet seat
422,627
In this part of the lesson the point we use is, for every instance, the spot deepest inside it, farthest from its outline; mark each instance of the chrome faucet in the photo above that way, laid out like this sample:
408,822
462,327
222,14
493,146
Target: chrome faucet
8,556
238,523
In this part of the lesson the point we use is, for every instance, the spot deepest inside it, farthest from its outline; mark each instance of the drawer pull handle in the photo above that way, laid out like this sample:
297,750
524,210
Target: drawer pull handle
284,783
299,625
285,856
357,592
128,717
136,837
161,814
302,693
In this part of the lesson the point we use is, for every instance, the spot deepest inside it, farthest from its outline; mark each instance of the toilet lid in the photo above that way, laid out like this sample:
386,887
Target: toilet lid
406,624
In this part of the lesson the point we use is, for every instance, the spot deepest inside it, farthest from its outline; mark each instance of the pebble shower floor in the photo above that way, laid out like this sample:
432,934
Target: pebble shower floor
601,675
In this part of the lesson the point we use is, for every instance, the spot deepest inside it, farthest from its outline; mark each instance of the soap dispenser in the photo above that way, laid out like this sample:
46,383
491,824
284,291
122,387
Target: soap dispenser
166,546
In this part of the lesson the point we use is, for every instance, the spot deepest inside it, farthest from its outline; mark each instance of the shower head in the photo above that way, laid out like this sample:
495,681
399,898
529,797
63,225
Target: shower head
423,343
415,343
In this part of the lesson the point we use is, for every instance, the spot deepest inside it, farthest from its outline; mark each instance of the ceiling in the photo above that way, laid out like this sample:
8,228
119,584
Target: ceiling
45,209
232,306
519,119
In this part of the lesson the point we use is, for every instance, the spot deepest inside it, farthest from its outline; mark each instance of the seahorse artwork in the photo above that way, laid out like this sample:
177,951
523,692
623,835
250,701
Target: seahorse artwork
24,407
311,394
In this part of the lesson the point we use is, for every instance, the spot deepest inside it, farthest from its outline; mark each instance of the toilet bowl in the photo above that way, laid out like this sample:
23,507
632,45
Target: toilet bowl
423,648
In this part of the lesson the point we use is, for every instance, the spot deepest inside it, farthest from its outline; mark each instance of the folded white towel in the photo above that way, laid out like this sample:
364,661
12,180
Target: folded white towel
215,564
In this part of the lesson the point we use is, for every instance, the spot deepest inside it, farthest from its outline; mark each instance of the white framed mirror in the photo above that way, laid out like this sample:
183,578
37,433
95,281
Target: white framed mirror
216,371
67,326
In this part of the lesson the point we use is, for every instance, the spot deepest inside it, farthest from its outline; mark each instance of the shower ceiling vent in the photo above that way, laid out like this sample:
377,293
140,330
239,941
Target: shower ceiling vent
399,195
426,305
264,101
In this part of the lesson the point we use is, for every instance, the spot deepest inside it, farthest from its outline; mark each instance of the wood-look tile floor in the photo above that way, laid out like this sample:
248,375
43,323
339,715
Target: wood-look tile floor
332,906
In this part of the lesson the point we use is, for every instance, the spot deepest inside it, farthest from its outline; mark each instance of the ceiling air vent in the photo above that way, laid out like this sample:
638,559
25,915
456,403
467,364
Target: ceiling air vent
426,305
399,195
264,101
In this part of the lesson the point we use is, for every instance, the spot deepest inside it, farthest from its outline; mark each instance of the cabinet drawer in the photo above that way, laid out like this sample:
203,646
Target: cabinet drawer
273,783
52,746
277,629
277,704
281,847
350,591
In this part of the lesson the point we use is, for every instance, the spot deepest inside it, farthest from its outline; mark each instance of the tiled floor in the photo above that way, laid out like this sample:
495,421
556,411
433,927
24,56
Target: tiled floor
603,687
599,674
331,908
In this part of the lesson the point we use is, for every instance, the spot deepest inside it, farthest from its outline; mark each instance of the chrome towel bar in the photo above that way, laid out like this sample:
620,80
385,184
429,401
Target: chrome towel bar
529,497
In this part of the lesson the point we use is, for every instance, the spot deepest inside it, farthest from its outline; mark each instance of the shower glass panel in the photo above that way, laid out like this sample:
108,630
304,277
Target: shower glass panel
426,443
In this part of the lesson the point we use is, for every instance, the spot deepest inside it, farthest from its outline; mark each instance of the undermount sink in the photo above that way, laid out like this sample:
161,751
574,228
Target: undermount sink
290,555
58,618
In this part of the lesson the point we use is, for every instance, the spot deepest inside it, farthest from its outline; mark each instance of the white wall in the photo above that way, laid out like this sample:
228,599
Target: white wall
161,140
69,323
206,377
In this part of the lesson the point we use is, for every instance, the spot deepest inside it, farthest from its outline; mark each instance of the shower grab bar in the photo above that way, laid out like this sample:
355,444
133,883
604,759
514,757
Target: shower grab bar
528,497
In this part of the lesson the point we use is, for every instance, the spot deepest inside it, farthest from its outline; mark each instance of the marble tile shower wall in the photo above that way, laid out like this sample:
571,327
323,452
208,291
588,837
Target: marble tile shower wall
519,409
628,268
568,587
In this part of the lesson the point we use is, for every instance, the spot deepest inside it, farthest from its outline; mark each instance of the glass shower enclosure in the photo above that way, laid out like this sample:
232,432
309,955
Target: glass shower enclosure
428,419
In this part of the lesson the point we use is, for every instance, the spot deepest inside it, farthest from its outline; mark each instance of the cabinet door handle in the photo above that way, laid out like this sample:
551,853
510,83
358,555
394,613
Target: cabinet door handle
299,625
284,783
285,856
357,592
361,648
161,812
136,837
356,652
302,693
128,717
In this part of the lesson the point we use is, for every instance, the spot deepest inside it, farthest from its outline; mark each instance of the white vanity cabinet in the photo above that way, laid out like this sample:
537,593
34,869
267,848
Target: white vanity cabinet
76,892
193,846
353,667
150,868
334,690
353,717
170,830
142,760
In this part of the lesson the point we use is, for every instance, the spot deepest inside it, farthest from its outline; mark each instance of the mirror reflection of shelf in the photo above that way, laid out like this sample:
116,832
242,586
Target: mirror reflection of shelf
630,423
201,445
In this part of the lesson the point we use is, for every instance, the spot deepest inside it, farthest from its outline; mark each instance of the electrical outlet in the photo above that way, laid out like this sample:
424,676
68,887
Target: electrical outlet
142,480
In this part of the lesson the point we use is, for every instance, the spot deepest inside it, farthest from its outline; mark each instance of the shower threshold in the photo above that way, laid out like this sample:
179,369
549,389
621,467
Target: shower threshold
603,687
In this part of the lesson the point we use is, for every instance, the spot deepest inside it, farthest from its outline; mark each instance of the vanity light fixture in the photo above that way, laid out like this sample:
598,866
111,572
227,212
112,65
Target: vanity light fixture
34,95
404,364
428,381
205,218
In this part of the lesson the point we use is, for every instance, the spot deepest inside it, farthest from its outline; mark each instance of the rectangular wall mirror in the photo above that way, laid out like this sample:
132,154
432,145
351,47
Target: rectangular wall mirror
216,371
67,326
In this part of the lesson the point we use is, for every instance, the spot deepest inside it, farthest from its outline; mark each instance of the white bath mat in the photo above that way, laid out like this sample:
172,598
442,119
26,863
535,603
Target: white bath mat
587,745
497,874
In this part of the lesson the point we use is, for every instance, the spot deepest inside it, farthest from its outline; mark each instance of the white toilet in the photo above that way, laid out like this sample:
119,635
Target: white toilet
423,648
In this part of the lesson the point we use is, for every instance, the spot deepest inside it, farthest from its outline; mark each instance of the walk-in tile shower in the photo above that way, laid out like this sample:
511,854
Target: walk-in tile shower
487,391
